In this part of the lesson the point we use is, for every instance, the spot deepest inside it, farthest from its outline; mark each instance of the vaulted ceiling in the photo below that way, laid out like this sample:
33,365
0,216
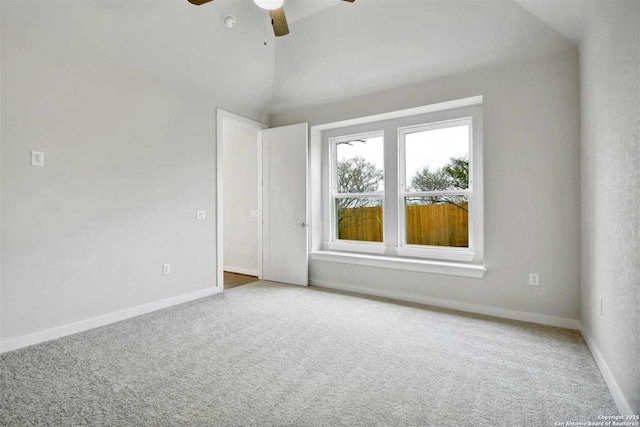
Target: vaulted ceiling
335,49
371,45
173,42
569,18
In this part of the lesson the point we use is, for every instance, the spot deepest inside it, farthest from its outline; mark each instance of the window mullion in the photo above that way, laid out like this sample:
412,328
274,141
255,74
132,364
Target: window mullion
436,193
376,195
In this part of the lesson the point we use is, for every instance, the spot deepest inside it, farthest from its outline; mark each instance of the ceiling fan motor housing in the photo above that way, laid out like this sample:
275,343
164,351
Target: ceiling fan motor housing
275,9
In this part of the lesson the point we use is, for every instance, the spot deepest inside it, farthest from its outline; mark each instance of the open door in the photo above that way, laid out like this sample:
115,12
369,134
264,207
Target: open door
284,206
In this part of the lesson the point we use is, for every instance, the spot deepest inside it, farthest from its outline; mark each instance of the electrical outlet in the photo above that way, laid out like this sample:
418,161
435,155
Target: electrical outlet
601,308
226,247
37,158
166,269
534,279
201,215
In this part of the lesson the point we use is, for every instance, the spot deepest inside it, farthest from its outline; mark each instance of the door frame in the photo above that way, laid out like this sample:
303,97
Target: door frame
221,115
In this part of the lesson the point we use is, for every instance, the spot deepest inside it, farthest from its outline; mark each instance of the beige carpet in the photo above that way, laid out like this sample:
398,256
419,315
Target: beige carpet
265,354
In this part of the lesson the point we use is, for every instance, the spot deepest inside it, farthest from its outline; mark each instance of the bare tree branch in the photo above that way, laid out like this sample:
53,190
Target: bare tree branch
356,175
453,176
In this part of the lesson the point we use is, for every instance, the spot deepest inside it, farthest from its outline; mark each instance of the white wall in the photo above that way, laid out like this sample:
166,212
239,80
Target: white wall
532,187
240,193
610,85
129,158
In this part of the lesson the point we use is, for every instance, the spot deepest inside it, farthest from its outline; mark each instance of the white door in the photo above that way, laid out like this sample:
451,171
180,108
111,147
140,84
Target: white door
284,206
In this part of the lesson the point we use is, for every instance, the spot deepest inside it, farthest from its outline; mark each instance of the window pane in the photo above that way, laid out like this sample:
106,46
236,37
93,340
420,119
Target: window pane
437,221
359,219
360,165
438,159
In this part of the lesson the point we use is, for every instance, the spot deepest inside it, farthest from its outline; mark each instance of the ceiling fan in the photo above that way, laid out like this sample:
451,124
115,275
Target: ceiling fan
276,12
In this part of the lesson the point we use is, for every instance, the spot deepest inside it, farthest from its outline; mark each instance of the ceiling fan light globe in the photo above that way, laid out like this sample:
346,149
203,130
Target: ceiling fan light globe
269,4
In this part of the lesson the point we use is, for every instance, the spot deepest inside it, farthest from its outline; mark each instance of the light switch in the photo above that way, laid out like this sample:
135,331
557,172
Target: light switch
37,158
201,215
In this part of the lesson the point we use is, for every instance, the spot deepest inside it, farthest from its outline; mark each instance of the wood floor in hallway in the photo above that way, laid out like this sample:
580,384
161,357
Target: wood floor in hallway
231,280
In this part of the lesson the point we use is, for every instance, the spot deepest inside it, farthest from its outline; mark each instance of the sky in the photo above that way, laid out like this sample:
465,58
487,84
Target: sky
432,148
435,148
372,150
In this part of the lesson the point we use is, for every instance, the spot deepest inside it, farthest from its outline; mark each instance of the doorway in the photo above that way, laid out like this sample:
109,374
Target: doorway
240,200
275,165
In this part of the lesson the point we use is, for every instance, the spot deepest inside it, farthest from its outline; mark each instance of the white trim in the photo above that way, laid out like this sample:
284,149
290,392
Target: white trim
251,124
260,202
438,193
445,113
356,136
423,266
440,124
448,105
449,254
524,316
376,195
220,114
248,123
368,248
318,208
95,322
469,118
614,389
240,270
333,184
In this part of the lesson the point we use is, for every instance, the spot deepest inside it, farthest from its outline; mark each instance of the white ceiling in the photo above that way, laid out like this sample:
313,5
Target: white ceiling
299,9
568,17
335,50
174,42
371,45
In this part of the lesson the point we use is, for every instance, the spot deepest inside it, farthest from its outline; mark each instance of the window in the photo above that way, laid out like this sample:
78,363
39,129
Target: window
435,188
357,188
424,200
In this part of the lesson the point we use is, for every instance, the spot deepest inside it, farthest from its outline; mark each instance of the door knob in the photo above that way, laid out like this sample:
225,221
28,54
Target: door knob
303,225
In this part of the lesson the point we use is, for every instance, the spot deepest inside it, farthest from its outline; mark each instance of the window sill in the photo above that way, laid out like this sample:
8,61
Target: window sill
368,248
423,266
442,254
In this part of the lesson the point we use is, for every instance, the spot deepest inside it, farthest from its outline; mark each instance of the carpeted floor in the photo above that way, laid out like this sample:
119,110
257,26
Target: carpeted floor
265,354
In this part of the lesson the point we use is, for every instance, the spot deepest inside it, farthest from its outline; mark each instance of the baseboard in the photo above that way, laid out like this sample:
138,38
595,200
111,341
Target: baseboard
525,316
84,325
616,393
241,270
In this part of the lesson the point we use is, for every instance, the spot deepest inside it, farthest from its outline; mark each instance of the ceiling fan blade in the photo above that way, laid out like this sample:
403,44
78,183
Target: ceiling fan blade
279,22
199,2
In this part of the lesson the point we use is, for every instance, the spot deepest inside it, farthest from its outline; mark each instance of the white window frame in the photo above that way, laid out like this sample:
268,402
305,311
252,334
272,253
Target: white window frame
351,245
466,262
426,251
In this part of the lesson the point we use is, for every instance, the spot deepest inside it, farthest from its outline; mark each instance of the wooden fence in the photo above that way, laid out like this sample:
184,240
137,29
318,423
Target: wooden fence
437,225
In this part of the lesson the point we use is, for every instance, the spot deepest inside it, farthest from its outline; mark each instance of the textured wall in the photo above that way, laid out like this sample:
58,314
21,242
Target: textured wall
532,187
610,81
